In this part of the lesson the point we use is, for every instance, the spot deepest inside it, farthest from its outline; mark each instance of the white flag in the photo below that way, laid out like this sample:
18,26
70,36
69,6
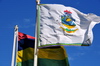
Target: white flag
61,25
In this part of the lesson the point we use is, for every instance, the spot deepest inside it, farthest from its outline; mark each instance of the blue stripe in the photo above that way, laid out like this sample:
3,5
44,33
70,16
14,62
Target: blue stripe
25,43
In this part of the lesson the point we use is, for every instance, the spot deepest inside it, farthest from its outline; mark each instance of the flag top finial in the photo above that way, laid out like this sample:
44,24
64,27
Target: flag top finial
38,1
16,27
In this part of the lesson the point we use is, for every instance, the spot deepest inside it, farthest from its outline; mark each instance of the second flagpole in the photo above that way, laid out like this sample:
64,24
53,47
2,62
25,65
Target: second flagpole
14,52
36,34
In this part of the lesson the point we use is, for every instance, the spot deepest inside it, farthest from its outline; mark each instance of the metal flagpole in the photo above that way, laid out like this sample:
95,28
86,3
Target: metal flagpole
14,46
38,2
36,34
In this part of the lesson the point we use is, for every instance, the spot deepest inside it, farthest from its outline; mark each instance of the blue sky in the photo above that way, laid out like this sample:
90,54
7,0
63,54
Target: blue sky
23,14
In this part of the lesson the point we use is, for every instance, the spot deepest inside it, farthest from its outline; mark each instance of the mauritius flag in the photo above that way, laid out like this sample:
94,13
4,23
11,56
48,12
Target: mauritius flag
49,56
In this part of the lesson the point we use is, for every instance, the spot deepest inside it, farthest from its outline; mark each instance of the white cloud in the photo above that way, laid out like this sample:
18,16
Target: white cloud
22,23
70,58
27,20
74,56
80,54
27,23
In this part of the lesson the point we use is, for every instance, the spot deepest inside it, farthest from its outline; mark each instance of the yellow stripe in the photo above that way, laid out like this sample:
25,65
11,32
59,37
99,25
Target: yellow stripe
48,53
25,54
53,53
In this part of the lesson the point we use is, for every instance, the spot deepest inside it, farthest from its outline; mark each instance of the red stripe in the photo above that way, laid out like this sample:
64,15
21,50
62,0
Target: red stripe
23,36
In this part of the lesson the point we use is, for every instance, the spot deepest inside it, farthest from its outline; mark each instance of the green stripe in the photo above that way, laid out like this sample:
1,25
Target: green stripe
50,62
25,63
45,62
65,44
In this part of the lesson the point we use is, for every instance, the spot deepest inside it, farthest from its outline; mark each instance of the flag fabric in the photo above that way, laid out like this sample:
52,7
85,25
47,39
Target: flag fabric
62,25
25,50
49,56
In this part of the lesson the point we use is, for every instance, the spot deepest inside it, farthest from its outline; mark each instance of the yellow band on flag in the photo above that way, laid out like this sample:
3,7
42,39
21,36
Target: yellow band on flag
46,53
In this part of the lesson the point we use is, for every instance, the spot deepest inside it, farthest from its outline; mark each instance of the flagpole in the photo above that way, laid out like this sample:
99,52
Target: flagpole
37,2
36,34
14,46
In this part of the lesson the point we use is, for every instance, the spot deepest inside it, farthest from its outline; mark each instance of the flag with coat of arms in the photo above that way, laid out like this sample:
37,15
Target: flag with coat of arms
62,25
